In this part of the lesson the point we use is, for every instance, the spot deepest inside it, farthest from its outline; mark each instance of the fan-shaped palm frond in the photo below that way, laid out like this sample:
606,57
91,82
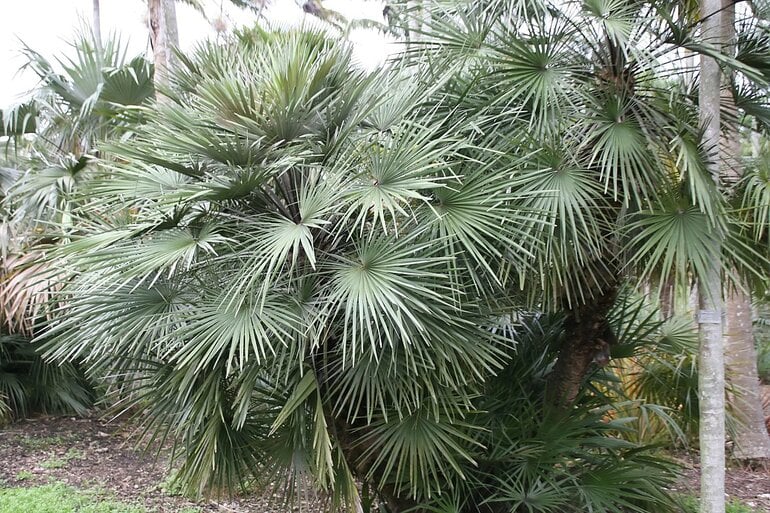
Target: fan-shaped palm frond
83,98
307,275
305,249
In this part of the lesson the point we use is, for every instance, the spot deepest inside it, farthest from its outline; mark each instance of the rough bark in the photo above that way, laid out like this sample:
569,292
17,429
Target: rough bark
667,299
711,354
587,337
164,35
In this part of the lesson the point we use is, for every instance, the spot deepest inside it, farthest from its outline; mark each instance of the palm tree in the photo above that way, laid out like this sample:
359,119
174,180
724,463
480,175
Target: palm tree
752,441
321,275
54,142
711,362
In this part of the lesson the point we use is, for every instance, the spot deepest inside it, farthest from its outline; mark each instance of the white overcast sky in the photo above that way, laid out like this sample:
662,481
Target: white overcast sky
47,26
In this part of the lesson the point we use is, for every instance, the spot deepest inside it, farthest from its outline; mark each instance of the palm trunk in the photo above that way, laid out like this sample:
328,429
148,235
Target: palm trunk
97,24
164,35
587,335
172,31
711,353
752,442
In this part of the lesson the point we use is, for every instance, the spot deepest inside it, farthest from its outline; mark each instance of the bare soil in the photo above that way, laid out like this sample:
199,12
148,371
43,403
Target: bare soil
90,453
751,485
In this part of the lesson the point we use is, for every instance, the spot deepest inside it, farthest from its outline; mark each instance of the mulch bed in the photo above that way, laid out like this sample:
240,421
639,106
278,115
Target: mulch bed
750,485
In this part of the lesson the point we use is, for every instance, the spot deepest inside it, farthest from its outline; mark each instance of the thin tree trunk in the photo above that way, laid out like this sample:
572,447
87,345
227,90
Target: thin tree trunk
172,31
711,354
164,35
752,443
97,24
158,40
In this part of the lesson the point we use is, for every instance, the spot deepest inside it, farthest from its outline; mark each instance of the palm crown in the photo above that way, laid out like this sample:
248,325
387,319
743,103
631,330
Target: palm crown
298,265
305,248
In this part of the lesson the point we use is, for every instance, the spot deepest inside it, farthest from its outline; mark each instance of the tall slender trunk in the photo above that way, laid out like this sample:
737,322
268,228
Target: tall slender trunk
97,24
164,35
711,353
752,442
172,30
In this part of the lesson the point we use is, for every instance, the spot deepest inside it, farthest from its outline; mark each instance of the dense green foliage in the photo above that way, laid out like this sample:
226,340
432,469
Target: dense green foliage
28,384
92,100
309,275
307,272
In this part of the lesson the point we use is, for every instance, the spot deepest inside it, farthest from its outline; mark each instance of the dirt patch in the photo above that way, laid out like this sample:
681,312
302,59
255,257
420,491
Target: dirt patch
93,454
750,485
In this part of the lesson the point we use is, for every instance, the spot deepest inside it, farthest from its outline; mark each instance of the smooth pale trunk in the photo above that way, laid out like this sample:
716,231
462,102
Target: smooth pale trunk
752,441
97,24
711,353
172,30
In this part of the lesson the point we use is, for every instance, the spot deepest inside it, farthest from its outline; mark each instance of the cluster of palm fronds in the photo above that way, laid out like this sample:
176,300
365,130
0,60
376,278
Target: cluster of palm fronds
529,457
307,274
47,155
28,384
309,271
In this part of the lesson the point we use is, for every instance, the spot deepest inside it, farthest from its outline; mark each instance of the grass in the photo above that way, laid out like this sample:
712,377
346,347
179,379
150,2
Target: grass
690,505
24,475
38,443
172,487
58,498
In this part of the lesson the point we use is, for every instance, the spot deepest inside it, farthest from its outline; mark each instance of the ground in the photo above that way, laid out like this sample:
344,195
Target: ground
749,485
89,453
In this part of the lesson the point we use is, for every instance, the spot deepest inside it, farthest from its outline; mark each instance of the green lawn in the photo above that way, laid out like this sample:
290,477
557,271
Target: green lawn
60,498
690,505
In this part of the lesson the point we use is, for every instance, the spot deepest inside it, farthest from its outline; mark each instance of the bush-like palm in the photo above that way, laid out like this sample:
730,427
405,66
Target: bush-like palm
598,91
50,152
298,250
314,270
310,270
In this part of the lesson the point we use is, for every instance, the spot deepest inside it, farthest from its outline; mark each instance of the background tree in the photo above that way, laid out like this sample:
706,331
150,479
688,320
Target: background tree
752,441
97,23
164,37
54,141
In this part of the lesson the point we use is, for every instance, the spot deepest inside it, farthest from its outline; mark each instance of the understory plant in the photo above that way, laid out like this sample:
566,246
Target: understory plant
48,151
29,384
